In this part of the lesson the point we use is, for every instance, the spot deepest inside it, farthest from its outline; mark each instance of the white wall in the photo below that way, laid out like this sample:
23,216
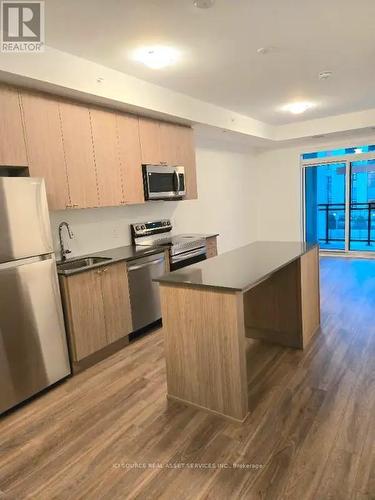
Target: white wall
225,205
278,180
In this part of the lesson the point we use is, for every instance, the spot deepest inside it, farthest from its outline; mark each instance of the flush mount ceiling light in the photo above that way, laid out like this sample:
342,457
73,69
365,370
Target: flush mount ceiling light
203,4
156,57
324,75
298,107
263,51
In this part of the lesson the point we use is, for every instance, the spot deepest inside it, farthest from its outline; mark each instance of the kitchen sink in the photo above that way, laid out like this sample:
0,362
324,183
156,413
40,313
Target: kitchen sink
81,263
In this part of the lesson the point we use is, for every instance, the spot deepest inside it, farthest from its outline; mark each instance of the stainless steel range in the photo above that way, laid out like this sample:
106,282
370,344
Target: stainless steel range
184,249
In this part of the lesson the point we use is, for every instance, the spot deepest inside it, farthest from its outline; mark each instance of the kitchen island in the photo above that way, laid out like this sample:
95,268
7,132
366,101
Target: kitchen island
266,290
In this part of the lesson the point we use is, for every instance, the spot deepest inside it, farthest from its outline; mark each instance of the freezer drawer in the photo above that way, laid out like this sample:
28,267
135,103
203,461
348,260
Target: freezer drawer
24,219
33,348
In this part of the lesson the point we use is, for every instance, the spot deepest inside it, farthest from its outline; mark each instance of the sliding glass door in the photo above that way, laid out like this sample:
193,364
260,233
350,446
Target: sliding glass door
325,205
339,205
362,206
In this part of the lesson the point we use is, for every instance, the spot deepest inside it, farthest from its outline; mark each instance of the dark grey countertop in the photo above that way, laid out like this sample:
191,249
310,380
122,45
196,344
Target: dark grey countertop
119,254
240,269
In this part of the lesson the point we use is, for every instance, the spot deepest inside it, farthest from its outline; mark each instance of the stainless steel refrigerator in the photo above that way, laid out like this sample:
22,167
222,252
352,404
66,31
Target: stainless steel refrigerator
33,347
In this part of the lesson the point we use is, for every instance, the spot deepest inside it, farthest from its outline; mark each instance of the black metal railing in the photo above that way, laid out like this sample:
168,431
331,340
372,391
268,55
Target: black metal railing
362,219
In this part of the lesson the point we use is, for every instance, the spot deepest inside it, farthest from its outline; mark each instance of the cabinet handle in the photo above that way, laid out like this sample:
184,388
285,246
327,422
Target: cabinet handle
75,205
105,270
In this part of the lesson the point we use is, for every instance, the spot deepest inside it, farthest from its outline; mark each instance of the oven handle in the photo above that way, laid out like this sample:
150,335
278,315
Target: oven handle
188,255
146,264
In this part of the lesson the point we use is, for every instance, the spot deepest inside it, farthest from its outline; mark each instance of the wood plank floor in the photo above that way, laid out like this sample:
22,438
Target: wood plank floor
310,434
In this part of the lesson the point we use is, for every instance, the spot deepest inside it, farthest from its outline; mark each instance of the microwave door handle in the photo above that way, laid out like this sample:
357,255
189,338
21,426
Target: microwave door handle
177,183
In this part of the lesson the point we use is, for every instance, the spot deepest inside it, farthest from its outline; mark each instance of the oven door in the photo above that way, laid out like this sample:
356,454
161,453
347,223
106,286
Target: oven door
163,182
187,258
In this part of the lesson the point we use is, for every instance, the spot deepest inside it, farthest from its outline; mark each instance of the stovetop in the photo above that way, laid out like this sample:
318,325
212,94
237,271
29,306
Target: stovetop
159,233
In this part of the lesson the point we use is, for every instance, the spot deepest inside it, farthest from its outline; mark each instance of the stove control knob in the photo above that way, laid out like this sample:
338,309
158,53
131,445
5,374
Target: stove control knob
137,228
143,226
165,223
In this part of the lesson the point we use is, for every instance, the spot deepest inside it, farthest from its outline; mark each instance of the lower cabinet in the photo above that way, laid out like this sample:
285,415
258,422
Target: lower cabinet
97,309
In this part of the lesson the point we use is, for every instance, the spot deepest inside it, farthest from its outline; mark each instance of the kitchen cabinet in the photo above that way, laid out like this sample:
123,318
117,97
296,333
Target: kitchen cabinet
79,155
97,309
187,159
84,312
45,147
211,246
12,143
130,158
88,156
149,136
170,149
116,301
106,157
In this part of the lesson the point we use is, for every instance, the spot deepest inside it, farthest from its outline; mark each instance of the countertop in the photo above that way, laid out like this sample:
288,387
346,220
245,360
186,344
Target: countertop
126,253
240,269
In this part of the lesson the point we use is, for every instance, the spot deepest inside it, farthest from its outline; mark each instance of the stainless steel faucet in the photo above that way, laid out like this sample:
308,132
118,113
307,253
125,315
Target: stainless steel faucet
64,251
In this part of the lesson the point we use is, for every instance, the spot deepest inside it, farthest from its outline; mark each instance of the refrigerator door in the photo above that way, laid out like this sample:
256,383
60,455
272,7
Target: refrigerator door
24,219
33,347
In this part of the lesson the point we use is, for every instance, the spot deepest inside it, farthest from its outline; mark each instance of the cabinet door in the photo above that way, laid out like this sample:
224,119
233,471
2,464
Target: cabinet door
170,146
107,159
187,159
130,158
12,142
149,135
115,290
79,155
85,313
45,147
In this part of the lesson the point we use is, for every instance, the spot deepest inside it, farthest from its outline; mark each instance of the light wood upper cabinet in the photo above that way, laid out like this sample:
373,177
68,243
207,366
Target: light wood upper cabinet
116,301
84,310
45,147
79,155
88,157
107,158
187,159
12,143
169,143
130,158
149,135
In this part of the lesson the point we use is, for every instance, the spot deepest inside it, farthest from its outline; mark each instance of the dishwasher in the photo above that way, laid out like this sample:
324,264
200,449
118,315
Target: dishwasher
144,293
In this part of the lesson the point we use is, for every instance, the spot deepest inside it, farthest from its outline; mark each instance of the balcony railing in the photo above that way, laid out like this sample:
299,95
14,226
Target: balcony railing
331,222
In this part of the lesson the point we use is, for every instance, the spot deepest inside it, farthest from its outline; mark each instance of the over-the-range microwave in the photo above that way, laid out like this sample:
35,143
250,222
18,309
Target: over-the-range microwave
164,182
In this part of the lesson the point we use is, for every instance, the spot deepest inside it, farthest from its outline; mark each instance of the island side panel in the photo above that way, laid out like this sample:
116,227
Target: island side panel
310,294
205,348
285,308
273,308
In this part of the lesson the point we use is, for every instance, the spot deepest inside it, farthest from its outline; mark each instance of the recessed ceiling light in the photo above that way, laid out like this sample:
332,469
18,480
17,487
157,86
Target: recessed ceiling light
298,107
156,57
324,75
203,4
262,51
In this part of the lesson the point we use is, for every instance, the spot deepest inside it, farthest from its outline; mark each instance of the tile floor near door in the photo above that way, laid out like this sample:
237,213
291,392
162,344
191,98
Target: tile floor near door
311,426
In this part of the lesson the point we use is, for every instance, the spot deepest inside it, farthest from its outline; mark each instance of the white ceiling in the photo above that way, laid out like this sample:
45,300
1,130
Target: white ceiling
219,63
